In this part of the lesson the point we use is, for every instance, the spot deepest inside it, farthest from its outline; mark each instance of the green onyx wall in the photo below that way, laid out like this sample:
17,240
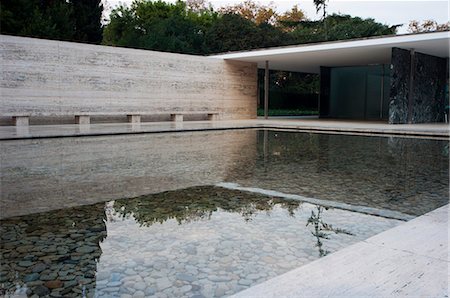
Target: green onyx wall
418,88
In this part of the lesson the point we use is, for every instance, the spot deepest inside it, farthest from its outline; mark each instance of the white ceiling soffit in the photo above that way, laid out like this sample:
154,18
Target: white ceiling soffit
309,58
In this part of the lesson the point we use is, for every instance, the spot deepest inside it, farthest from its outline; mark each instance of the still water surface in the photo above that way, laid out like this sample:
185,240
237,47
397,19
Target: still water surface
179,235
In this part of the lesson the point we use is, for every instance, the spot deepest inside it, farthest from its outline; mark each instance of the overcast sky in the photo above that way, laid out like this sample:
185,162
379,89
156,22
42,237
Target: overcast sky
384,11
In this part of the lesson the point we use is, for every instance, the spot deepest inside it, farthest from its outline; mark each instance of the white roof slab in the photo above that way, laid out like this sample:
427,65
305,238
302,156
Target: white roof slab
375,50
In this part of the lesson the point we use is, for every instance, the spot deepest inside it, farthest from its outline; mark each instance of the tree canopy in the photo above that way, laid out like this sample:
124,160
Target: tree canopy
195,27
158,26
190,26
252,11
339,27
78,20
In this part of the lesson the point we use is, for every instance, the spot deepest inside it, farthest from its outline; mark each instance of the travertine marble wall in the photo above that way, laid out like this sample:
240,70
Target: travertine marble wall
54,78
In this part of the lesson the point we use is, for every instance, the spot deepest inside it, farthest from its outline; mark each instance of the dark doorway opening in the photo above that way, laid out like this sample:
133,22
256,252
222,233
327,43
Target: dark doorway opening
290,93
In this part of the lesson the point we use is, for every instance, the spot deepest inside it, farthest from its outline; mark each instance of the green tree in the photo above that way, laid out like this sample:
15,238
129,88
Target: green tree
121,30
14,13
272,36
339,27
47,19
158,25
87,18
174,34
54,19
231,32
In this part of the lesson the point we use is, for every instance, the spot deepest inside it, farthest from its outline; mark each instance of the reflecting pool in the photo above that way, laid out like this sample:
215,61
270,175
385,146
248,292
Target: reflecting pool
407,175
143,215
196,242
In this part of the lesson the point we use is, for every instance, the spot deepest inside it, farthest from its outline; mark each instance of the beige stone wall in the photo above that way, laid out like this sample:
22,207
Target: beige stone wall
53,78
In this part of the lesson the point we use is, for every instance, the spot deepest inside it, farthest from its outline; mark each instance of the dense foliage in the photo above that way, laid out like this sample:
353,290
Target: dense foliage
78,20
339,27
177,27
191,26
159,26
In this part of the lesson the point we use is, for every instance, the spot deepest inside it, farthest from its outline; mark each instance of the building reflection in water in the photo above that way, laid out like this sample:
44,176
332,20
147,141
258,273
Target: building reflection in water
408,175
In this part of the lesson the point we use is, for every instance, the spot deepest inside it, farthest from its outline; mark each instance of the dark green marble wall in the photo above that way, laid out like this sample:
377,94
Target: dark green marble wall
426,83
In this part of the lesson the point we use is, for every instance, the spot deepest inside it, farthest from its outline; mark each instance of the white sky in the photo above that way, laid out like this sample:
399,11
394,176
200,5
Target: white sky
391,12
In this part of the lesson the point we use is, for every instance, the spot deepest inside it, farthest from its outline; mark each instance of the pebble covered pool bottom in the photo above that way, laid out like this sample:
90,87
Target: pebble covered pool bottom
196,242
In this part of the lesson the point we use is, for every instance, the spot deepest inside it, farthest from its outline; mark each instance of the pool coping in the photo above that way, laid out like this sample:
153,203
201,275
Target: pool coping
435,131
411,259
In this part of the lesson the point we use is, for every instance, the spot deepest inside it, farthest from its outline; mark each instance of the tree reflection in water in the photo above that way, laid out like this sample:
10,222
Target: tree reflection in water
320,227
197,203
57,252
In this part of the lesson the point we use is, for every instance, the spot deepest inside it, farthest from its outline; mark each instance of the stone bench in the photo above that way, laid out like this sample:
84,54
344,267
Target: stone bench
83,119
21,120
177,117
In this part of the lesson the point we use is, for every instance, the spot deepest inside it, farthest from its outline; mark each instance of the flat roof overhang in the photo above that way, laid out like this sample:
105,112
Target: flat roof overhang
376,50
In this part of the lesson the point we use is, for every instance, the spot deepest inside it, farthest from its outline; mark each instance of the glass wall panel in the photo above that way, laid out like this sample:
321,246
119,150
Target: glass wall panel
347,92
360,92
